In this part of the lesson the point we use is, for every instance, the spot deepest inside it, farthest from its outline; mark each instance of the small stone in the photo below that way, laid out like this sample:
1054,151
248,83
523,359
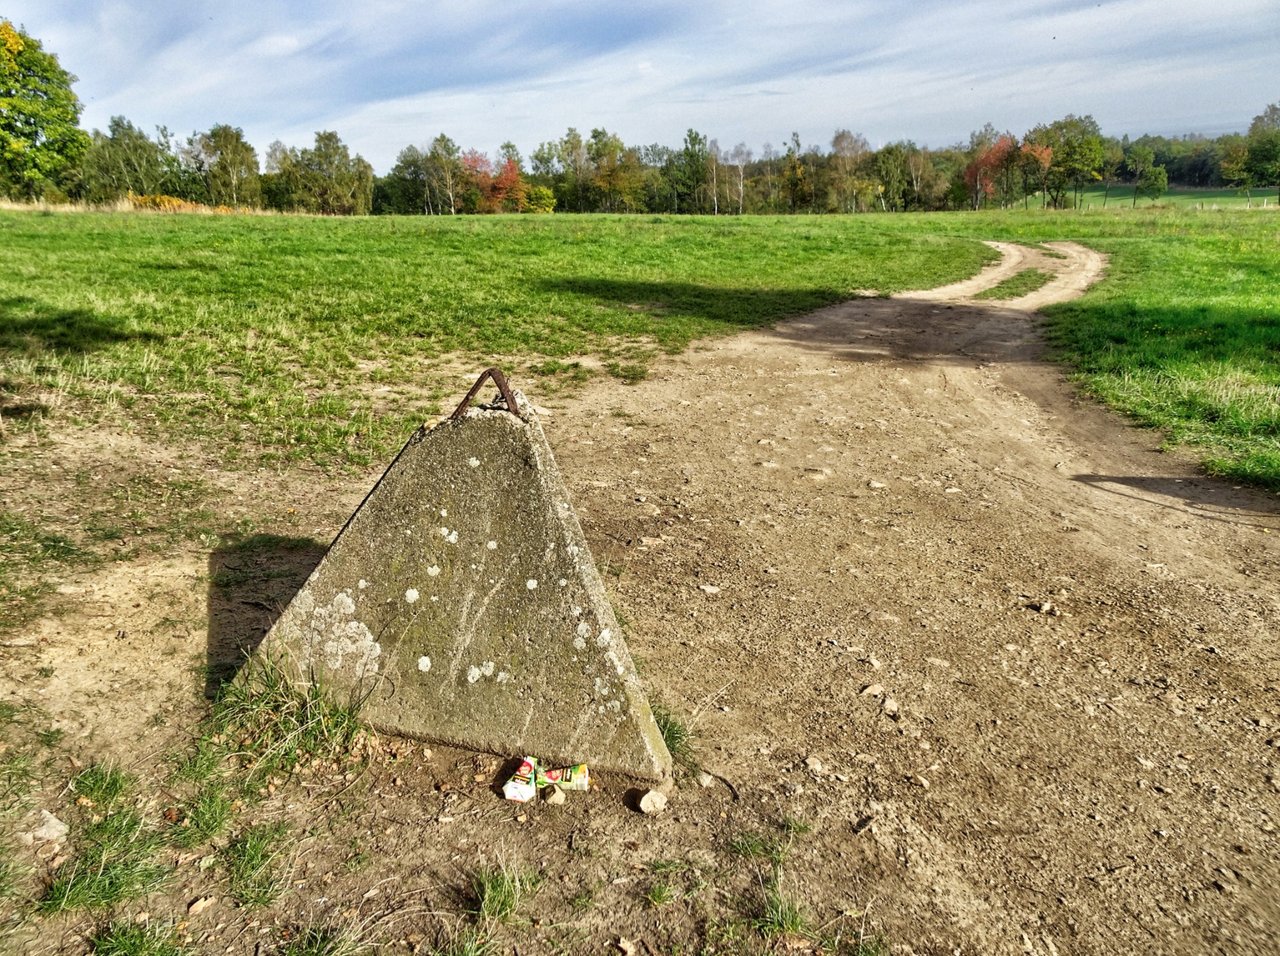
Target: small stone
890,707
708,589
555,797
626,947
196,907
872,690
920,782
814,764
653,802
50,830
706,780
875,485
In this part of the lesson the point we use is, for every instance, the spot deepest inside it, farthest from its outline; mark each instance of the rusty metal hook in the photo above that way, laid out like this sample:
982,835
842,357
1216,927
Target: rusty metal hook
499,380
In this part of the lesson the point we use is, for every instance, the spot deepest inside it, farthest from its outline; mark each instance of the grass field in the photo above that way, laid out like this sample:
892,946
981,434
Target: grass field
324,338
1179,197
328,339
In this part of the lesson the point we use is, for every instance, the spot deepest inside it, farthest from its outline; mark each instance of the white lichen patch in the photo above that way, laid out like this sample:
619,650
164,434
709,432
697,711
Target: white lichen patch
473,674
411,596
450,536
332,634
444,512
579,644
424,664
362,584
504,677
563,582
433,571
531,584
473,462
604,638
492,545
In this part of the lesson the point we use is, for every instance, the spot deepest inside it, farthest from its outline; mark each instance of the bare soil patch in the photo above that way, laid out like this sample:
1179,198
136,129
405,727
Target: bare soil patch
1013,668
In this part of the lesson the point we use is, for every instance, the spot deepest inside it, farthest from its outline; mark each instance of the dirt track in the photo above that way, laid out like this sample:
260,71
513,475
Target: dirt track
1015,667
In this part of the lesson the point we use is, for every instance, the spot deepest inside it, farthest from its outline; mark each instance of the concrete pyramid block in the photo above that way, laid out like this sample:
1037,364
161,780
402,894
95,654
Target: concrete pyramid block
461,603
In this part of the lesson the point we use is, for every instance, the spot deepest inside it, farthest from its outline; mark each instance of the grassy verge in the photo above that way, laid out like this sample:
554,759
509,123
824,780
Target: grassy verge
1016,286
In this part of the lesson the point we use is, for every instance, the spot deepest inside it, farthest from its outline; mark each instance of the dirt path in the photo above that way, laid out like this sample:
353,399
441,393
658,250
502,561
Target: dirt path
899,499
1015,668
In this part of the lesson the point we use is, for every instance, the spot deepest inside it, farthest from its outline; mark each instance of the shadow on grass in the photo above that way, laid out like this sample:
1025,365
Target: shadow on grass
251,580
853,329
737,308
28,325
21,411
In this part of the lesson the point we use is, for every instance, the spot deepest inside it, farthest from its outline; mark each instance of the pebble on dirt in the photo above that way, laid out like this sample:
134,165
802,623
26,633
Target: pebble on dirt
653,802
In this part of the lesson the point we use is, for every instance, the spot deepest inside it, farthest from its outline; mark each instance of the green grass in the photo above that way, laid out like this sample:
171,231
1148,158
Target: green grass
272,336
254,862
206,816
115,863
1178,197
31,554
780,915
102,785
271,727
677,736
660,893
326,941
126,938
1016,286
499,890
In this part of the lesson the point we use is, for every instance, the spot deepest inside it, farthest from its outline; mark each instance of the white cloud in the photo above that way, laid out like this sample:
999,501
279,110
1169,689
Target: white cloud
387,73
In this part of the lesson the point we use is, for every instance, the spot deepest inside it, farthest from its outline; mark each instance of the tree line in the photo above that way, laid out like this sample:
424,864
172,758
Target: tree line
45,155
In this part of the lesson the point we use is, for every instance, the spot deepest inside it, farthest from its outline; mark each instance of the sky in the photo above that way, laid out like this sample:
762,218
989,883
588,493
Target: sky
387,73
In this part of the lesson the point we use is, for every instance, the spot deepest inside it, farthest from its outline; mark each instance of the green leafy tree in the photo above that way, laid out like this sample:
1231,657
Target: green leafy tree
444,174
847,153
1264,148
335,182
40,141
229,166
405,190
1112,161
1140,161
1153,183
123,160
1234,165
1076,157
619,177
325,179
795,174
891,171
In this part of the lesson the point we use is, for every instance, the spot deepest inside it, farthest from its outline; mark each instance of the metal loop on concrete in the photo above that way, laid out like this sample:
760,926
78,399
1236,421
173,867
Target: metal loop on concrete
499,380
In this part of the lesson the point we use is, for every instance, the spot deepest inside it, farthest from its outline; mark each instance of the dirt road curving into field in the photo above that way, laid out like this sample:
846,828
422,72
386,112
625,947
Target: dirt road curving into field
1032,660
1014,669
